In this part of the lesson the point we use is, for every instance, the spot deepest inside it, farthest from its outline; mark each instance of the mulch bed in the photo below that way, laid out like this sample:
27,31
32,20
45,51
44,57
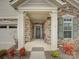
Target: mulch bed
17,56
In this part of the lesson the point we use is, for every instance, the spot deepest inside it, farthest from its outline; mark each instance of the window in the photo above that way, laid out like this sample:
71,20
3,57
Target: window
67,34
12,26
68,28
3,26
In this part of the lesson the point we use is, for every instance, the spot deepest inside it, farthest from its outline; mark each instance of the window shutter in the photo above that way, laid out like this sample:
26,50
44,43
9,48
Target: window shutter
60,28
75,28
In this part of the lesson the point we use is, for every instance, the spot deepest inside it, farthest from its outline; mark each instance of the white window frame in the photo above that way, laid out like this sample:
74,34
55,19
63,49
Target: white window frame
67,16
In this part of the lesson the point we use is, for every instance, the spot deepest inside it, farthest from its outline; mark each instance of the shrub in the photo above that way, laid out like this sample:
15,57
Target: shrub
69,48
22,51
55,53
3,53
11,53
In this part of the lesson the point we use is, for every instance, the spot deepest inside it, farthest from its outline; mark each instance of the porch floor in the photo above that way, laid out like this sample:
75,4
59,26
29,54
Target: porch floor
37,43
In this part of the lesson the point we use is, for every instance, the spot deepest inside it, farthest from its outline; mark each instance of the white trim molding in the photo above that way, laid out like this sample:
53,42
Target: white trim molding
73,3
76,1
8,17
62,3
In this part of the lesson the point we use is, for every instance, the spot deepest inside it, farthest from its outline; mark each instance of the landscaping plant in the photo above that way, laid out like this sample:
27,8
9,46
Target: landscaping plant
11,53
3,53
55,53
68,48
22,52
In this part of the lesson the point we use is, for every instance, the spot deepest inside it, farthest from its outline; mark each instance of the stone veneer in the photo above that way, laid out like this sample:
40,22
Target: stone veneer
64,9
69,9
47,31
28,30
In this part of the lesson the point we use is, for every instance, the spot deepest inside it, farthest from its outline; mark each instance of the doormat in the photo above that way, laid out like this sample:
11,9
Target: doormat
37,49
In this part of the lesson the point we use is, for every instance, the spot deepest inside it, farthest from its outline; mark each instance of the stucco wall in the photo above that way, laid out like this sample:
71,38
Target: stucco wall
47,30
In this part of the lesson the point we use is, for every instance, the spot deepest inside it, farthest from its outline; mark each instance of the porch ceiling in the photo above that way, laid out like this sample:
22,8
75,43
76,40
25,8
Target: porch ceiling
38,16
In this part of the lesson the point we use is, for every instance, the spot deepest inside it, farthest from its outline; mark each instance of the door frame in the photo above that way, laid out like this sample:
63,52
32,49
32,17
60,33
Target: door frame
41,30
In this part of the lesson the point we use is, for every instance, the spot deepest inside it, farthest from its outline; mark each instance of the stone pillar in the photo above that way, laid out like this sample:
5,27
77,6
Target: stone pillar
20,29
54,30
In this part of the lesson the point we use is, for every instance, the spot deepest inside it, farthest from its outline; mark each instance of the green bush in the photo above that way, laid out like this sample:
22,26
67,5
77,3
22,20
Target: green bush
55,54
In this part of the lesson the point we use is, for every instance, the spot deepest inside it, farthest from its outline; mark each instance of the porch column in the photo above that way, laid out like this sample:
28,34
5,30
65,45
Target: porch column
20,29
54,28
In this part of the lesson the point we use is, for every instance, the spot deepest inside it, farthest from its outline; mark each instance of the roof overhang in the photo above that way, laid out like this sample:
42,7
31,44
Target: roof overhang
75,3
16,3
59,3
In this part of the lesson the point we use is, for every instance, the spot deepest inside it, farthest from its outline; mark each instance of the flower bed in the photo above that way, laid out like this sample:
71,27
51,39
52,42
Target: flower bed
3,53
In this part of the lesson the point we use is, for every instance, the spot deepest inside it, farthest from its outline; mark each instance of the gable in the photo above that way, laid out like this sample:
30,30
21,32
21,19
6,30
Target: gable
58,3
37,3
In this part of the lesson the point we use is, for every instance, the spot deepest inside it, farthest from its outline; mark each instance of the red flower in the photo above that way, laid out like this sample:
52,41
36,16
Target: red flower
11,52
22,52
68,48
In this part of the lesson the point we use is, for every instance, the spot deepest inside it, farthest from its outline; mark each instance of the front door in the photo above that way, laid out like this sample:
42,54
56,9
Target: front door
37,31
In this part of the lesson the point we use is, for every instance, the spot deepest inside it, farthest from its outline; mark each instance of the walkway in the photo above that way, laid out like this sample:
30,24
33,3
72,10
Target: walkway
37,43
37,53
